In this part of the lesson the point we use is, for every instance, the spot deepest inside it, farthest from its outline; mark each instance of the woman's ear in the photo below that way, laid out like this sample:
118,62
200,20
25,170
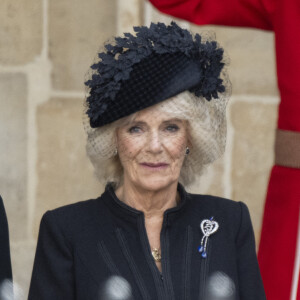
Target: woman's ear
188,135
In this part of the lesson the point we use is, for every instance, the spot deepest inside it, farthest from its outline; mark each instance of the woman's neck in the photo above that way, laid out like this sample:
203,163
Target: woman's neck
152,203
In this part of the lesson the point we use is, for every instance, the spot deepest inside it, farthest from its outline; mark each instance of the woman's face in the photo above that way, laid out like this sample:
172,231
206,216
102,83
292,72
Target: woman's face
152,149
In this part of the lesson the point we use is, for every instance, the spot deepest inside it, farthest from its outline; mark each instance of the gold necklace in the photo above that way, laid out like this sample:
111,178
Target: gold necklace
156,255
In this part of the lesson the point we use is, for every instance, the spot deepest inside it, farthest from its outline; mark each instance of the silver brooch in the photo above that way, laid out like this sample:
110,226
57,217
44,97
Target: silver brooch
208,227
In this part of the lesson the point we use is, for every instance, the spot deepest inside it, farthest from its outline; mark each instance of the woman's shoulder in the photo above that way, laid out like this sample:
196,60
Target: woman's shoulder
76,216
230,210
214,201
74,210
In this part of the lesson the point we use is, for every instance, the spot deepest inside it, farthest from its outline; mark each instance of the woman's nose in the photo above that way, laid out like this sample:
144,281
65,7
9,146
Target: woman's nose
155,142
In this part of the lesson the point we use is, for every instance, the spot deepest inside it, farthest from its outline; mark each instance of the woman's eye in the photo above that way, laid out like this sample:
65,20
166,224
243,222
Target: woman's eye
134,129
172,128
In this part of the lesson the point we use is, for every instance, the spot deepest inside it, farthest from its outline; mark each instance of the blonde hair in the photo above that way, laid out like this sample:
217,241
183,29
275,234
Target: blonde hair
206,127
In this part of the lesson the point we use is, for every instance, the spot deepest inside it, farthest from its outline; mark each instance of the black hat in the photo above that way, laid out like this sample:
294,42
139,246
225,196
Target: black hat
159,62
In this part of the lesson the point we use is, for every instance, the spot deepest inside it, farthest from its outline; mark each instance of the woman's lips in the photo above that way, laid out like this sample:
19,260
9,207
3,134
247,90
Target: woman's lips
154,166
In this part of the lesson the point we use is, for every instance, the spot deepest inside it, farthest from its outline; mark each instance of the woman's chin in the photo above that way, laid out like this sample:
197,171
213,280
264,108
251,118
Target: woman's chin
155,184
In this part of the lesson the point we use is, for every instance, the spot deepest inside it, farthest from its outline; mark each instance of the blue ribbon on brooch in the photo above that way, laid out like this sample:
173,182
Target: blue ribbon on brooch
208,227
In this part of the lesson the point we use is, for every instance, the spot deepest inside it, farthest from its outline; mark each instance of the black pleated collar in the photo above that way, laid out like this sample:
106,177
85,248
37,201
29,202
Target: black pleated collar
129,213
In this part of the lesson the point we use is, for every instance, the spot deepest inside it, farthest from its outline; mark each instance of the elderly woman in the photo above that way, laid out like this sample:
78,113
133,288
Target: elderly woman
155,117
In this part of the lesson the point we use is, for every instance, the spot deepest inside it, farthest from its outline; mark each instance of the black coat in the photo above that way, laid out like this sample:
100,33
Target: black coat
80,246
5,264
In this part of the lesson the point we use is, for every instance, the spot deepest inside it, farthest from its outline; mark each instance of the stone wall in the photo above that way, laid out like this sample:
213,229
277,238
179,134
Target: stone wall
45,49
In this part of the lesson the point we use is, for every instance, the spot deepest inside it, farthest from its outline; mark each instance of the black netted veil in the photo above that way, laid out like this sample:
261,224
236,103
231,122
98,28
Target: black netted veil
158,63
151,67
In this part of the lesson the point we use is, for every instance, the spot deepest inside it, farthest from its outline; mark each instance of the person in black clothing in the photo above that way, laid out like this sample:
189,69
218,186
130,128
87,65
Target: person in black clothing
5,263
155,117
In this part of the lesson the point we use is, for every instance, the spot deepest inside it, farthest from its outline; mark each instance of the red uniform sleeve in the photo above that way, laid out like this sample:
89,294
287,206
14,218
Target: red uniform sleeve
281,16
287,37
246,13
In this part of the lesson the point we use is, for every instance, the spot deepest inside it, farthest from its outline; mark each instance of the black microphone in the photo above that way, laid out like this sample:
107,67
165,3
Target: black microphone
115,288
10,291
220,287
